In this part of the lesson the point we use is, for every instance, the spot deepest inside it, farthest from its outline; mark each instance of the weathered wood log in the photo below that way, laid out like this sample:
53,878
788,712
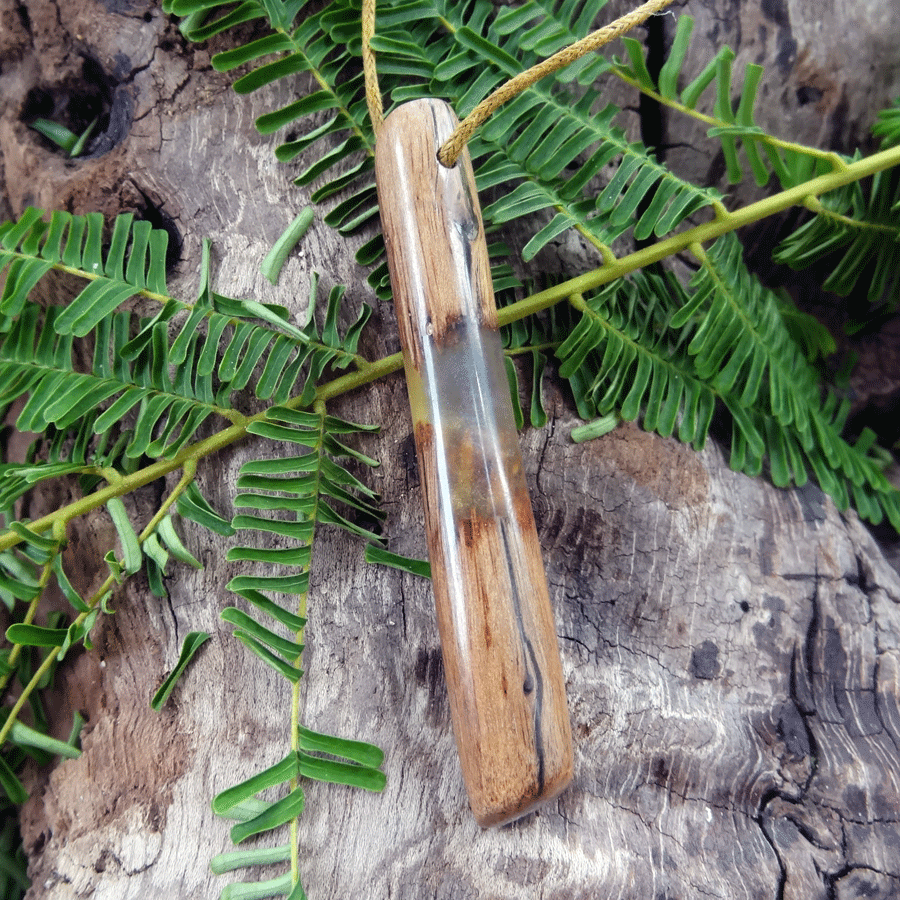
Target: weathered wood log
731,651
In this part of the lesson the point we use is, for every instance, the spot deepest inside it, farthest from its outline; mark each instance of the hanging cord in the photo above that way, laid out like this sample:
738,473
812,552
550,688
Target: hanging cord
373,92
449,153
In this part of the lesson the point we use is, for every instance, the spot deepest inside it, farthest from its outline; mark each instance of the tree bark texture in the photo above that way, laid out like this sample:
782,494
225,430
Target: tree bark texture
731,651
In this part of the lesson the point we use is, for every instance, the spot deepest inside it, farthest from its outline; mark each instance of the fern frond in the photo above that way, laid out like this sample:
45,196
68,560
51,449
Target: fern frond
169,372
544,148
621,355
294,494
547,145
736,129
857,230
652,349
887,125
134,263
37,359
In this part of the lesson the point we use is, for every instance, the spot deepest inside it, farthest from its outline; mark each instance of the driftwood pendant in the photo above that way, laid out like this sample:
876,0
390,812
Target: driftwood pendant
501,657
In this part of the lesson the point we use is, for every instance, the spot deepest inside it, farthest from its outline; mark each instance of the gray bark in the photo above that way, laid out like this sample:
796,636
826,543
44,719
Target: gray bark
732,651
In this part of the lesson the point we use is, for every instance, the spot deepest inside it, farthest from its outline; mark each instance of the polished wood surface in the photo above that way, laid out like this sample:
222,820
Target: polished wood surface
501,657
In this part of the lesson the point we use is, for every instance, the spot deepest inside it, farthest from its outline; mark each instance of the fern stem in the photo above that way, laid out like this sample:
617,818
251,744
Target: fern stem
27,691
364,135
813,204
700,234
366,374
85,275
51,657
605,251
837,162
189,473
28,618
319,407
530,348
129,483
190,455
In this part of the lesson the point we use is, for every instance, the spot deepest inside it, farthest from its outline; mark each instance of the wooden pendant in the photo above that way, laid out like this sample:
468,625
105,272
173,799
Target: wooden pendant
501,656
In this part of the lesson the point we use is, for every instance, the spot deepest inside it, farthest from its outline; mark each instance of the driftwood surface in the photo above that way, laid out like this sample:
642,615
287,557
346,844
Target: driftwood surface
731,651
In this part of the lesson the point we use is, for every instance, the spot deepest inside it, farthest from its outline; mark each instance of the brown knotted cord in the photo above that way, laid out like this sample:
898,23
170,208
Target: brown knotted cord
449,153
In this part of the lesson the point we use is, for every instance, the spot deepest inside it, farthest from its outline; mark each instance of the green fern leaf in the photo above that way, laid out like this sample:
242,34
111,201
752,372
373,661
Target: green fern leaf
278,814
649,348
857,230
304,487
887,126
169,386
258,856
735,129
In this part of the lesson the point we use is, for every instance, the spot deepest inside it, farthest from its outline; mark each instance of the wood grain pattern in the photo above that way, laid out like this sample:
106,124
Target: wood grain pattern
498,639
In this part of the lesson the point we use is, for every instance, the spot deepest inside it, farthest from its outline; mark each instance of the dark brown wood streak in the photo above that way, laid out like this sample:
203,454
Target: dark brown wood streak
501,656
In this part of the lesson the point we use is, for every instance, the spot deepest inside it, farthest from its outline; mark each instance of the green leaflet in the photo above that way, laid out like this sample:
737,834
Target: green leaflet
278,814
340,772
857,227
290,672
65,139
287,648
359,752
281,772
170,537
271,266
11,785
192,643
379,556
592,430
24,735
274,887
193,505
36,635
239,859
128,540
66,587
